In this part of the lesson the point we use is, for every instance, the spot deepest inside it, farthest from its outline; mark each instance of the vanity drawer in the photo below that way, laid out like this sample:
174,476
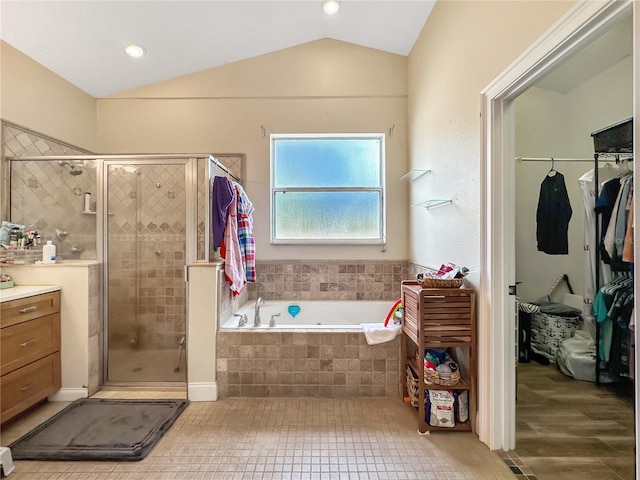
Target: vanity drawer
26,342
28,385
28,308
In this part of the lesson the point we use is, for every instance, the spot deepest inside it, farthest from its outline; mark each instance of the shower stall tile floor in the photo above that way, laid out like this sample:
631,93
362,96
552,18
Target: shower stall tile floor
130,365
279,438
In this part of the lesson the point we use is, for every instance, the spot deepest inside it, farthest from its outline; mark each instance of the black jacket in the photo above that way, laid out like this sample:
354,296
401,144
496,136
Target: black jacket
553,215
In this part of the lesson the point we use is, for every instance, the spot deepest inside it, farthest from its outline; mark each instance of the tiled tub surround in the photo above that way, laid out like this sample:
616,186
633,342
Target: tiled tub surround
322,280
329,280
305,364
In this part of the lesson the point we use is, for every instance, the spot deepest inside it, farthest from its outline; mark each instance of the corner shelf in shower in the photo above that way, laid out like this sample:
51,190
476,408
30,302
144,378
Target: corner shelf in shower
84,212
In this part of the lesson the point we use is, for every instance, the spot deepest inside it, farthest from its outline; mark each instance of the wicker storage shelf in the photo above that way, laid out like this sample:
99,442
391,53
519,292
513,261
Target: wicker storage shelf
432,282
412,386
438,318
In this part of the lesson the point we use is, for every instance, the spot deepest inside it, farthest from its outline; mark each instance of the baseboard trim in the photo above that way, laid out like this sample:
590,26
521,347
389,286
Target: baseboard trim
202,391
68,394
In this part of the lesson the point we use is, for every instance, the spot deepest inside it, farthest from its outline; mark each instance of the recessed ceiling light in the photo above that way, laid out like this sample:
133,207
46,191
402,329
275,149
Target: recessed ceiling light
331,6
134,51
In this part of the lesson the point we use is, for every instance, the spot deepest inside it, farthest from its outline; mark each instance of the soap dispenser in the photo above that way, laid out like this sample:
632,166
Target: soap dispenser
49,253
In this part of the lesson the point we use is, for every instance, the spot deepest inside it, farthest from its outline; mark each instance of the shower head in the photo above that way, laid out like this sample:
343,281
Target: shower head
73,170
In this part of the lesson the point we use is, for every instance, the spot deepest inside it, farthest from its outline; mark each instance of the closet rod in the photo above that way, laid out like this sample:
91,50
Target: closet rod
627,156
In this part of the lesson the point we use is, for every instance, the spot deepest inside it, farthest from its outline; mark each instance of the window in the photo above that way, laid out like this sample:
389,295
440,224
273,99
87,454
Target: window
327,188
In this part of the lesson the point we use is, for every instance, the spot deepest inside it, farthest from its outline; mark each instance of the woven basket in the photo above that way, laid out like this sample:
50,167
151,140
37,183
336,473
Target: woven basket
412,386
433,377
432,282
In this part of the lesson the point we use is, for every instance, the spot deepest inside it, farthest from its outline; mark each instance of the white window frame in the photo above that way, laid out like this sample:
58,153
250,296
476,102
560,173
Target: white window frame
381,189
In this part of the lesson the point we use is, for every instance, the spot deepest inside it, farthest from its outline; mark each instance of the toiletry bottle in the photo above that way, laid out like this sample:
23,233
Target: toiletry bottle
49,253
87,201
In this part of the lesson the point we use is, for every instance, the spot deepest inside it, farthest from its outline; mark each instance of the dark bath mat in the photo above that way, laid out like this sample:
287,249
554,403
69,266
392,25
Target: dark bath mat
100,429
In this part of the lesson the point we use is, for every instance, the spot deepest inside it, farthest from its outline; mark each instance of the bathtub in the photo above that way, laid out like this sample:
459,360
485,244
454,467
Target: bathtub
313,315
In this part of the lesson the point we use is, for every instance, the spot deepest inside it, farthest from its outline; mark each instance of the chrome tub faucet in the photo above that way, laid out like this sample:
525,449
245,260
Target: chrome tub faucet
272,322
256,319
242,319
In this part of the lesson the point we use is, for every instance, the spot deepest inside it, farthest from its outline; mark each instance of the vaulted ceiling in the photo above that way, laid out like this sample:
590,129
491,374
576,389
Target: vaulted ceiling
83,41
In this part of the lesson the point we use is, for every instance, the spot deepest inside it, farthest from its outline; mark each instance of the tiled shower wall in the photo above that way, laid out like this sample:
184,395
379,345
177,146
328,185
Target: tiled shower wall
46,197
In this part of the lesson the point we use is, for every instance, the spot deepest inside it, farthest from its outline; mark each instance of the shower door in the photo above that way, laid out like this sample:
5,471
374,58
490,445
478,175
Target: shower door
146,224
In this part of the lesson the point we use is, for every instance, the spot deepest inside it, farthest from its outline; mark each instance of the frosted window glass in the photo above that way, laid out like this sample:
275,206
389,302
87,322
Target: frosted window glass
327,215
327,188
327,163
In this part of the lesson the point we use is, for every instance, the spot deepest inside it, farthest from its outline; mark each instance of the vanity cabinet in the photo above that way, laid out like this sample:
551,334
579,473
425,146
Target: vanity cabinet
438,318
29,351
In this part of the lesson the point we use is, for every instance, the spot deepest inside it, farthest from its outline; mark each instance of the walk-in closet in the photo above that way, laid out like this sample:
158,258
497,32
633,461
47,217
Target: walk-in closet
574,265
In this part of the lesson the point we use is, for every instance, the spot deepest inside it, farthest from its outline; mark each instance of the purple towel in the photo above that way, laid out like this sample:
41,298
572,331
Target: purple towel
221,196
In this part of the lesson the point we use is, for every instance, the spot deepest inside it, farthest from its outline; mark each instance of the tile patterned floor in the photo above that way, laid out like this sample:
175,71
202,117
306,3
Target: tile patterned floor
566,430
281,439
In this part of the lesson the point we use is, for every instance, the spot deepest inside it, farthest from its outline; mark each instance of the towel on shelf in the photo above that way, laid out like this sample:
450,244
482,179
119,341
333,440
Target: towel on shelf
377,333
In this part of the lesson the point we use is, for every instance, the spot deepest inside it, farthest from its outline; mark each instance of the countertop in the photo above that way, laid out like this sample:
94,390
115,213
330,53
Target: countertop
21,291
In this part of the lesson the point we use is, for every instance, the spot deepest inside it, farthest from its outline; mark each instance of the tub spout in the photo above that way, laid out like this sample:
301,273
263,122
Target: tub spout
256,319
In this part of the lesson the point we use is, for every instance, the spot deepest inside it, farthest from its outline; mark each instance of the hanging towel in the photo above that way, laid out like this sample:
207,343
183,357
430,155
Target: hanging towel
245,234
233,267
377,333
221,197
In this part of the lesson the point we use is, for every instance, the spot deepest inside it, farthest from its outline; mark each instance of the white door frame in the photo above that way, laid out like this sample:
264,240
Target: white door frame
586,21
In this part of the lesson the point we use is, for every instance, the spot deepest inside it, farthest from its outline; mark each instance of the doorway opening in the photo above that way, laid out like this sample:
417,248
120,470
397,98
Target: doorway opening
585,23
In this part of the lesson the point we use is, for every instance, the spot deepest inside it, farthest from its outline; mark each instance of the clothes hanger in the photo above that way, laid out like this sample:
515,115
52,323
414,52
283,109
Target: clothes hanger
552,171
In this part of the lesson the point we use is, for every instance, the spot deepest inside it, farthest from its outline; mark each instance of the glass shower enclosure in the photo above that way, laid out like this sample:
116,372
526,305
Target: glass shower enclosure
143,219
146,226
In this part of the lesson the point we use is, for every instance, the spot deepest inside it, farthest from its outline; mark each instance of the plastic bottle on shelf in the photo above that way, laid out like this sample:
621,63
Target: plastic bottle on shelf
49,253
87,201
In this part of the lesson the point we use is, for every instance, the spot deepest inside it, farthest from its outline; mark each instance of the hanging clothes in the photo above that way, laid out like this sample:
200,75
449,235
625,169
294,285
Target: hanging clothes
613,309
238,244
627,249
245,233
613,239
553,215
588,191
230,251
222,195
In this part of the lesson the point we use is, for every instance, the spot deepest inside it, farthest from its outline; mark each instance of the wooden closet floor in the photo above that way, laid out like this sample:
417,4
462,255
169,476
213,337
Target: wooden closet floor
570,429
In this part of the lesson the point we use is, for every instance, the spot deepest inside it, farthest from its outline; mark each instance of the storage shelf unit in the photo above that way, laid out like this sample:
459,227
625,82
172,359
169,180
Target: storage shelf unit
439,318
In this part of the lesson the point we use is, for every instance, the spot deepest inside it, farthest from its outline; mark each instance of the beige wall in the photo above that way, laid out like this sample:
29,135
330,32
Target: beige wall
325,86
33,96
463,46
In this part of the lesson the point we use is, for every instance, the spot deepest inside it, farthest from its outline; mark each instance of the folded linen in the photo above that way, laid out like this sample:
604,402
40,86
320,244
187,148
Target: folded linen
377,333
